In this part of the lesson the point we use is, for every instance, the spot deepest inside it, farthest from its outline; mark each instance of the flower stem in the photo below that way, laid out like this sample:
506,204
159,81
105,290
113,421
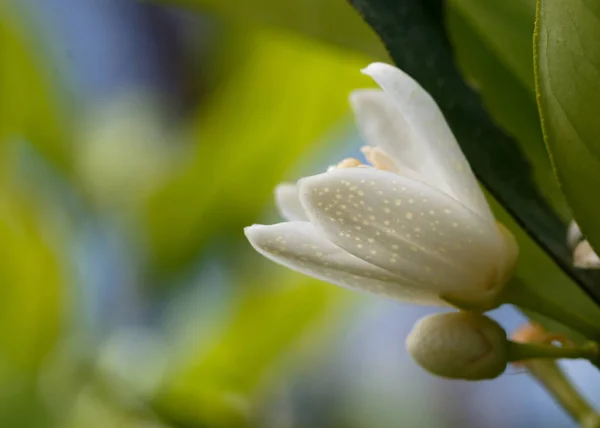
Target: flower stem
521,295
562,390
525,351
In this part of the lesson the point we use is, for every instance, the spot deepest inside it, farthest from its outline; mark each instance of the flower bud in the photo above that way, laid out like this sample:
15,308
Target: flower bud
459,345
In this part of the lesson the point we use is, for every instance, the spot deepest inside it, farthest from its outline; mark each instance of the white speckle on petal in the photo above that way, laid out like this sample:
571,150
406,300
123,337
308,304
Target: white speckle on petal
423,246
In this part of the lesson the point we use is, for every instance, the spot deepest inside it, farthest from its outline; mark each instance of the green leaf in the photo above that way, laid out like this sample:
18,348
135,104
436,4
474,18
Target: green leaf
415,38
567,70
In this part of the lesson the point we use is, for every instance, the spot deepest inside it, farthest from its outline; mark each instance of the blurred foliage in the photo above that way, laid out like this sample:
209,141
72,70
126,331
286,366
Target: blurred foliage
267,322
327,20
275,97
125,150
29,107
32,309
32,275
229,166
276,102
31,297
567,65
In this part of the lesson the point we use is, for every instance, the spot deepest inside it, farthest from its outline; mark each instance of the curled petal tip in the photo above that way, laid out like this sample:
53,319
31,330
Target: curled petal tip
389,77
376,67
248,228
252,231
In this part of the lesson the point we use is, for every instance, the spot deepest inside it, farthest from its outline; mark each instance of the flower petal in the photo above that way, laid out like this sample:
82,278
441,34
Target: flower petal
383,126
427,123
404,226
509,254
584,256
298,246
574,235
288,202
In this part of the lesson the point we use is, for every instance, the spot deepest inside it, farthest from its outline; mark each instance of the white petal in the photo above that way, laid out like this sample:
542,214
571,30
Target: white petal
427,123
383,126
298,246
584,256
288,202
574,235
509,254
404,226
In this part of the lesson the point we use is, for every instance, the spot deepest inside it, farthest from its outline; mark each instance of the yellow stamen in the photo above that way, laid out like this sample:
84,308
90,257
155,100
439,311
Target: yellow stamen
379,159
376,157
346,163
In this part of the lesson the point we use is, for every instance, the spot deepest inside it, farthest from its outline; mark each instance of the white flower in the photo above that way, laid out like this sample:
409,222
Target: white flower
414,227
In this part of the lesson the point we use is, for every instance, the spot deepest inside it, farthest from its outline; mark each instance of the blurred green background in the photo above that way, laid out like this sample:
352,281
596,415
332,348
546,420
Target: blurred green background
136,142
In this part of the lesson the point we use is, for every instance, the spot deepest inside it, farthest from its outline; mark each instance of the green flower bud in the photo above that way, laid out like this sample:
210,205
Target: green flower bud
459,345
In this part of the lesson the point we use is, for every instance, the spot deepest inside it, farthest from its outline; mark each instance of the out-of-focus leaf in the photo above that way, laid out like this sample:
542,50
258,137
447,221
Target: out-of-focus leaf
31,279
509,98
124,150
29,108
416,41
567,71
277,102
215,389
327,20
19,404
31,310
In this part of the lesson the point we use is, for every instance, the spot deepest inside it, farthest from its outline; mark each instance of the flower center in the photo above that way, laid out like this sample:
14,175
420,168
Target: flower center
346,163
379,159
374,155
